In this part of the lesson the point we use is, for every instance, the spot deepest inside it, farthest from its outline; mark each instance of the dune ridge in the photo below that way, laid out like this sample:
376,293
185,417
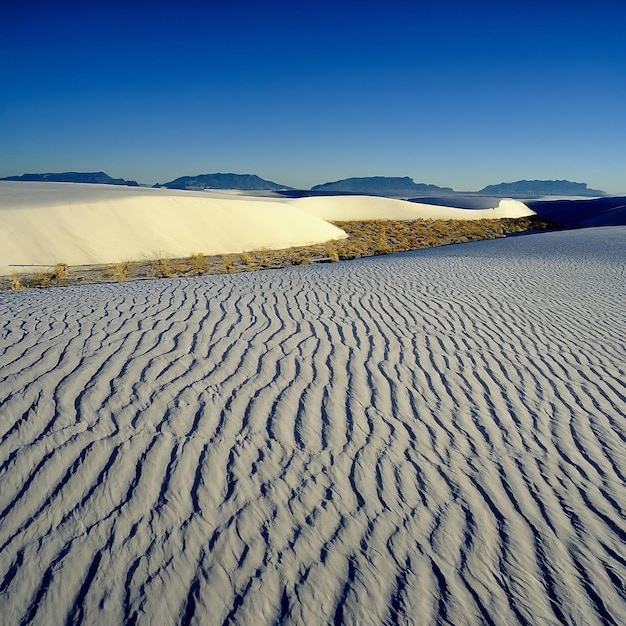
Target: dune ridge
356,208
432,437
42,224
83,224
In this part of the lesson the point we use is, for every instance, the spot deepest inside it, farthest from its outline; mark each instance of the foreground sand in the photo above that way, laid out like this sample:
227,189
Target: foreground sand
434,437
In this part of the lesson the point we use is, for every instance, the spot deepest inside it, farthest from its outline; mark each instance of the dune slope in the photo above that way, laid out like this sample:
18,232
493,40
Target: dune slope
609,211
349,208
434,437
48,223
42,224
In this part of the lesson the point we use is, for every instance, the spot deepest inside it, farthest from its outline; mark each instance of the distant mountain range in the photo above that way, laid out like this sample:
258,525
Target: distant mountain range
74,177
538,188
383,186
390,186
246,182
405,187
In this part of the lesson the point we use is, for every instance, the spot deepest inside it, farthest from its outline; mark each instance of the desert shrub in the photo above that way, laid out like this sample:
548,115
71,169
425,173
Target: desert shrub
263,257
121,271
41,279
381,246
290,256
165,268
228,265
303,258
198,264
59,273
331,251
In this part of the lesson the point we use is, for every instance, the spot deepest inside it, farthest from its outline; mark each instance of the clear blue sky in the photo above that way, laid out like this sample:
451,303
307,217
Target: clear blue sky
460,94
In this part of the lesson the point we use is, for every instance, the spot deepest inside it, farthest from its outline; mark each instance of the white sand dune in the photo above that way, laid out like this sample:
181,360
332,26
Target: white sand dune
351,208
430,438
82,224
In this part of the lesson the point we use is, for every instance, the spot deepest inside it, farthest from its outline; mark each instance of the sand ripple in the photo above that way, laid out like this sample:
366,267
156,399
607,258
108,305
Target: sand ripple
434,437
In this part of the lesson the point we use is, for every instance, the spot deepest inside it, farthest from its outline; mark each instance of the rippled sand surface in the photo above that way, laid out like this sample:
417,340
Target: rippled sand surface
429,438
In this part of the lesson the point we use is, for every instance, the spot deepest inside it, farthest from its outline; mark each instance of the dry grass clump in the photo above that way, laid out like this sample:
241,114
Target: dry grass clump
59,273
40,279
228,264
295,256
165,268
57,276
198,264
331,251
263,258
121,271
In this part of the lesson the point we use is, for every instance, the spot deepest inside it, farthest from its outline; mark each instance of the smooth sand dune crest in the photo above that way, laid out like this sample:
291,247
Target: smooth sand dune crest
82,224
435,437
356,208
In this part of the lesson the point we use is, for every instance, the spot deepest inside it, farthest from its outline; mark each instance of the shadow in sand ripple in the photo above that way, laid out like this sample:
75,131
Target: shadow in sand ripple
433,437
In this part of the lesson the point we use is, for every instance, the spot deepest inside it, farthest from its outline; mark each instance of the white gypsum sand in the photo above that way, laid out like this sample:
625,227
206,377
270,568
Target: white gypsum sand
42,224
82,224
432,437
354,208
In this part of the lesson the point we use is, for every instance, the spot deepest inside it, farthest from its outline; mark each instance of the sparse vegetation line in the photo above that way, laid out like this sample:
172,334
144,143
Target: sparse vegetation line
365,238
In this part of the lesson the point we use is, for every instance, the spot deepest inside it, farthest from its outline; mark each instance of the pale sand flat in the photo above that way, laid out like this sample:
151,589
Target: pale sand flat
435,437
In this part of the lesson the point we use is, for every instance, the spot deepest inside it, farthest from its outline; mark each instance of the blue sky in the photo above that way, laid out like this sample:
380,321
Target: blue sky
453,93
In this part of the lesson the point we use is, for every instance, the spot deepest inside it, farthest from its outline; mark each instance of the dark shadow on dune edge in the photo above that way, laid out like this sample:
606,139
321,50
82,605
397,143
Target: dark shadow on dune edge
582,213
